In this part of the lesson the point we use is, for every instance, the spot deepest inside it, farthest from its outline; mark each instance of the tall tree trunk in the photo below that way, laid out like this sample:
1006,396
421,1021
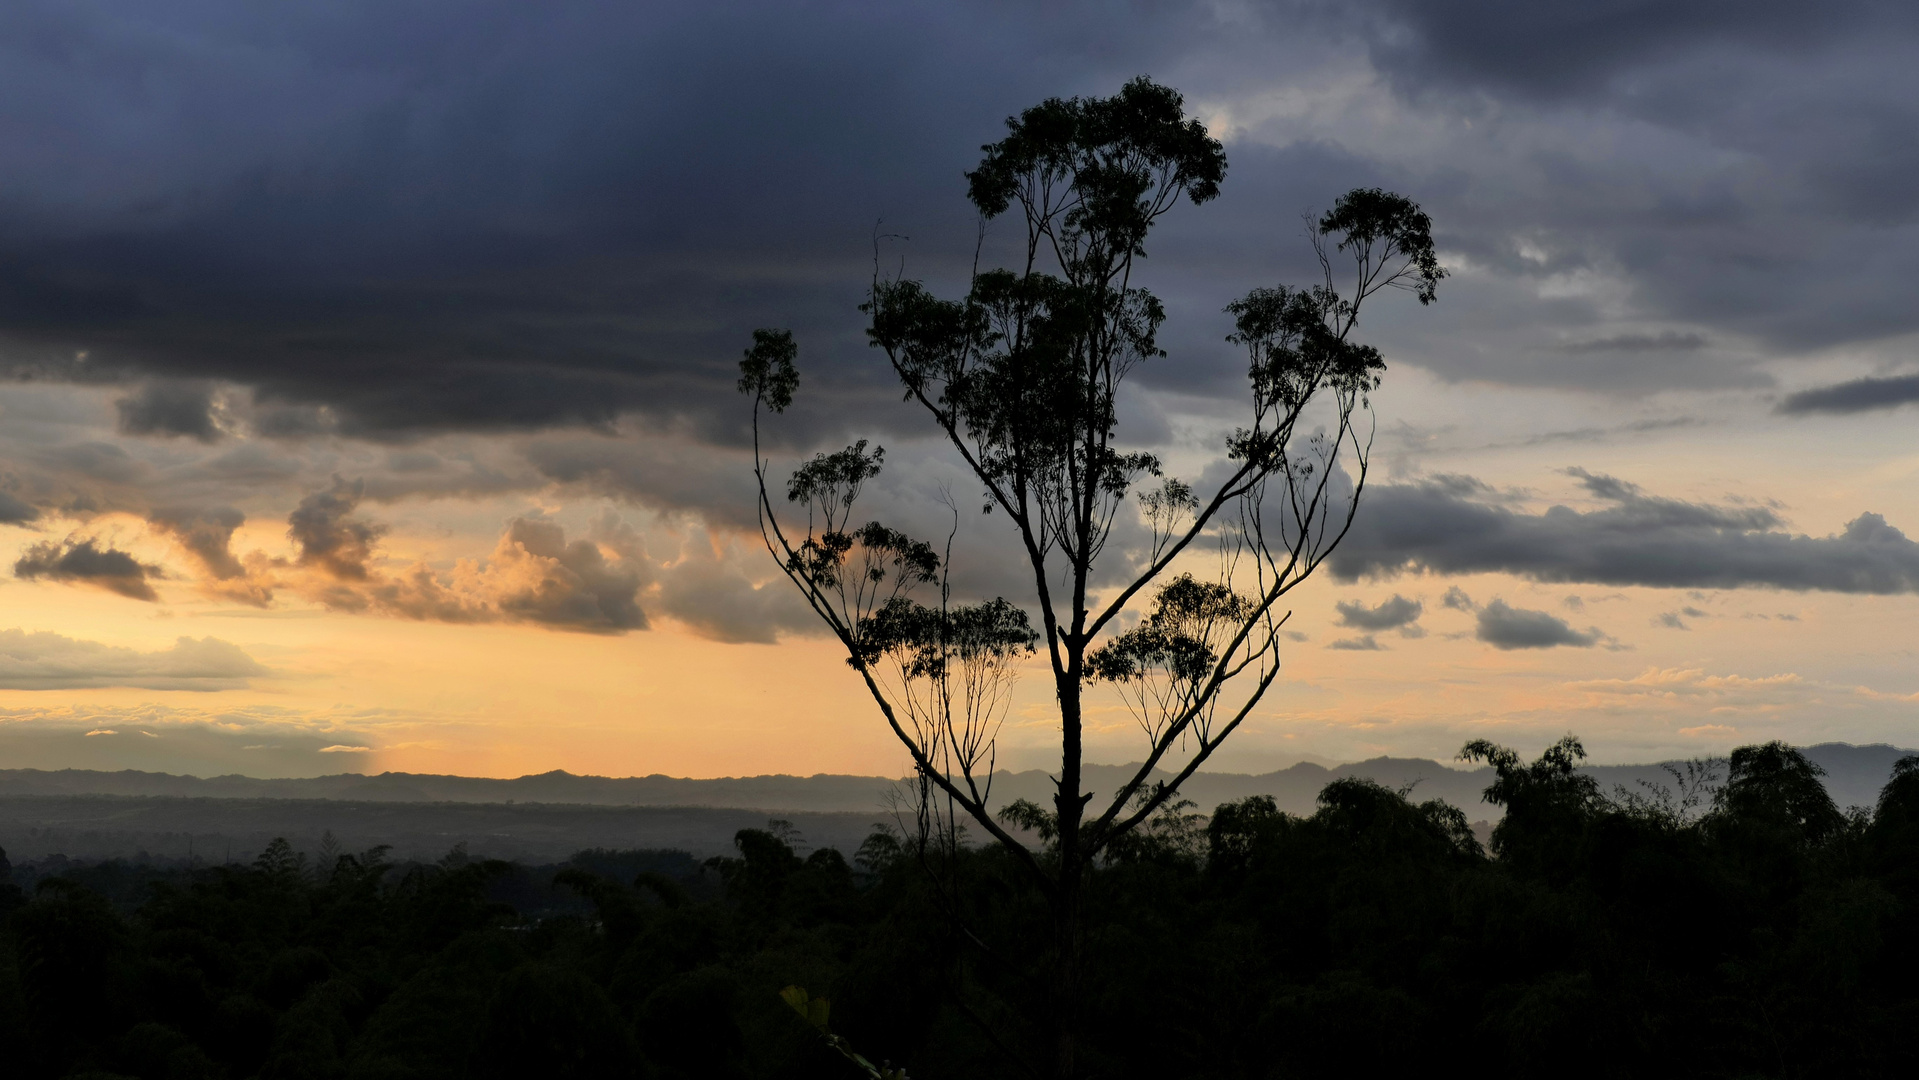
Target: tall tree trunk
1070,804
1066,977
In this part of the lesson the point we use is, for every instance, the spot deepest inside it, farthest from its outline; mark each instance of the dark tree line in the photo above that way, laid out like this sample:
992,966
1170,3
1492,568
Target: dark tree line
1750,929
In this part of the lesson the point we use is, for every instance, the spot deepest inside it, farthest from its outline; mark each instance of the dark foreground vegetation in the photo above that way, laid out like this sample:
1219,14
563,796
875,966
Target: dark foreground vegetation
1743,928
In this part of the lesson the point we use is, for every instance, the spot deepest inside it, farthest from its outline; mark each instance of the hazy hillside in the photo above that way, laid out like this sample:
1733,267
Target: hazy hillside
822,792
93,827
1855,774
93,815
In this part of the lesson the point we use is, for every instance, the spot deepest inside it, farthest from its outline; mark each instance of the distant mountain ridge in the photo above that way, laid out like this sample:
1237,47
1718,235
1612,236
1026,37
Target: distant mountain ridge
1854,776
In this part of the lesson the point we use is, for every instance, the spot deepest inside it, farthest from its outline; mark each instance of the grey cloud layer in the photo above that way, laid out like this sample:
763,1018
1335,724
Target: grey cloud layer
1566,50
172,408
468,216
1450,526
46,661
384,221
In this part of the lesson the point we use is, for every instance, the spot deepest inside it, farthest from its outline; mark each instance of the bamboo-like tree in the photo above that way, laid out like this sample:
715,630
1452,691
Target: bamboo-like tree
1021,376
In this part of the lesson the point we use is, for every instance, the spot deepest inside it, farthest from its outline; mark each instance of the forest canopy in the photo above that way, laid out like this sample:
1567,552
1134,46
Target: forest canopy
1733,923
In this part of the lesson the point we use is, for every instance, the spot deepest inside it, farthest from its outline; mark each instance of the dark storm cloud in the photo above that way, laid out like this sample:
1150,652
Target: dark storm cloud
385,221
1636,540
86,562
484,215
1505,627
170,408
1860,395
1753,186
1566,50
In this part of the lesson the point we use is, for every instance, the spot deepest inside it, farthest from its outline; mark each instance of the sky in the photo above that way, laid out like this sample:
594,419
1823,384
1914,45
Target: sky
369,368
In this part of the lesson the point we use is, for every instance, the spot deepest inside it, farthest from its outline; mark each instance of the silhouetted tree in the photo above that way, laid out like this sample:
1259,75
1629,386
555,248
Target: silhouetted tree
1894,835
1773,787
1022,377
1548,803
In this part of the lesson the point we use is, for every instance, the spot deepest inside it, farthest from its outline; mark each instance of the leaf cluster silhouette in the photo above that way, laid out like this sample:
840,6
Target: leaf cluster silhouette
1741,925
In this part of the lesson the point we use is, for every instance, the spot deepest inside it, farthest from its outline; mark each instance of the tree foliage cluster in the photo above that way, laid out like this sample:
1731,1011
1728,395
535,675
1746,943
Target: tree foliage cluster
1737,925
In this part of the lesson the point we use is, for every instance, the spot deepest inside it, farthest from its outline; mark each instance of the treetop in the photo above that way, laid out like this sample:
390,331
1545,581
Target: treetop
1100,166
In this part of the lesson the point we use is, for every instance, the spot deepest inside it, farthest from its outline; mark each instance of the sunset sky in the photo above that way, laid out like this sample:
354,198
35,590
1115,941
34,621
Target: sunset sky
372,368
